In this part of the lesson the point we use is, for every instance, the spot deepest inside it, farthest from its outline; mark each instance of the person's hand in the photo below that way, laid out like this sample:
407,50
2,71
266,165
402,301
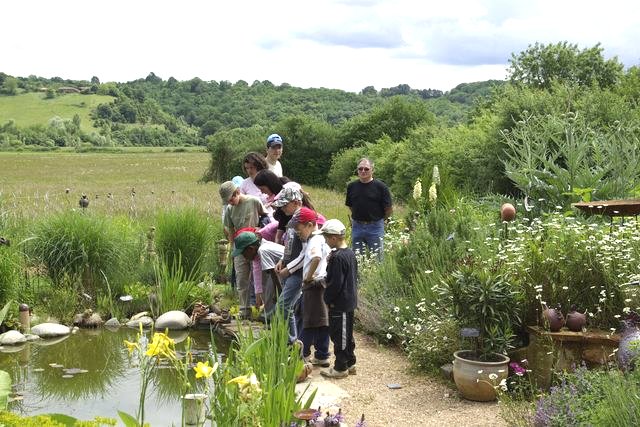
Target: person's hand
278,267
259,301
284,273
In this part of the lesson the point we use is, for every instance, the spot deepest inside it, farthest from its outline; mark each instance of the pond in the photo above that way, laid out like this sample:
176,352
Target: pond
90,374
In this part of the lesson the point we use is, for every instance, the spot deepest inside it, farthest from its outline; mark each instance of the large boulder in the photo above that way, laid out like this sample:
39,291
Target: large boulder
49,330
174,320
12,338
145,321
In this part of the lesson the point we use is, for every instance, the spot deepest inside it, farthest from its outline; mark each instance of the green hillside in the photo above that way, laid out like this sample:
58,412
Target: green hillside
32,108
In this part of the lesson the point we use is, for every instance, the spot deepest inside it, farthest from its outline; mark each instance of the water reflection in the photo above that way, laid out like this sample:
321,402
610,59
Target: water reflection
43,372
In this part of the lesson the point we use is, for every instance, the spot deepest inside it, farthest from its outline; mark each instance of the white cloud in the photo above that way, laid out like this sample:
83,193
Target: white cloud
343,44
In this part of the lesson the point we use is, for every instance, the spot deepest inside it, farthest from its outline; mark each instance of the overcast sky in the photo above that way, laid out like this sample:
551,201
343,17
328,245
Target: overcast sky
344,44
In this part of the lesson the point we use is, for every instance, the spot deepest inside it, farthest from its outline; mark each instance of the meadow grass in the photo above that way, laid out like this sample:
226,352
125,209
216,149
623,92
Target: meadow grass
34,109
138,185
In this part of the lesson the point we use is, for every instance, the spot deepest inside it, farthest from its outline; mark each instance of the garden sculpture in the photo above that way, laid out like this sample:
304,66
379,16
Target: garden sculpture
575,320
553,317
84,201
629,347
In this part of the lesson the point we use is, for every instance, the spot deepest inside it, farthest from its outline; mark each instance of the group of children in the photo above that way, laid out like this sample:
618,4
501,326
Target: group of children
301,262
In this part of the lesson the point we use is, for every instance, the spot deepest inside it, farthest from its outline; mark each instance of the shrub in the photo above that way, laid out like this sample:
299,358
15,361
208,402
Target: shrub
560,158
431,340
591,398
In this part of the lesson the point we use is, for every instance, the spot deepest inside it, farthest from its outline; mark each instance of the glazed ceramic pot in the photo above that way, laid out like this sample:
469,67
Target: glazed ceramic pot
575,320
554,318
472,376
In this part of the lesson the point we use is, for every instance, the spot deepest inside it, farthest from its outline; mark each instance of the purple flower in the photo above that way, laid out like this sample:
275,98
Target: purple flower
517,369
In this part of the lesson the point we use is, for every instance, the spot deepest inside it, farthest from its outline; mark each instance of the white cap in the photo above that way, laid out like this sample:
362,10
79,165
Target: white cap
332,226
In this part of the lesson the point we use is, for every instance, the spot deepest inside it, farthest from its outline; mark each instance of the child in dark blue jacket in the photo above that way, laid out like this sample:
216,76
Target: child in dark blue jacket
341,298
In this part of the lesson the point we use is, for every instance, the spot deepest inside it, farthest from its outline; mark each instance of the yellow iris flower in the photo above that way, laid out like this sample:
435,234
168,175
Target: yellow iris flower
204,370
161,345
248,384
131,346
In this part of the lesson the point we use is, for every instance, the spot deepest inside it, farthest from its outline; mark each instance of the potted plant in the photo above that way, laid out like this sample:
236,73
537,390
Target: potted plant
486,305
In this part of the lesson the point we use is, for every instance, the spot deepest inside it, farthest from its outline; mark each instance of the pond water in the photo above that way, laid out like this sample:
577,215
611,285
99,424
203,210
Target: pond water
90,374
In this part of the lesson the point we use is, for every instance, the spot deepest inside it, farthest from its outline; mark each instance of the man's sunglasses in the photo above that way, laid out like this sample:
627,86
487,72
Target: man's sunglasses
363,169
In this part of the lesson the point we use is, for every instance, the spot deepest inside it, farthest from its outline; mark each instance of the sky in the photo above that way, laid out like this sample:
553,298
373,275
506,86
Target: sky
339,44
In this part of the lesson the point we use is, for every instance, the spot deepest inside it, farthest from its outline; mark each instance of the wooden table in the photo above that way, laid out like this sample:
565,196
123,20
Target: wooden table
611,208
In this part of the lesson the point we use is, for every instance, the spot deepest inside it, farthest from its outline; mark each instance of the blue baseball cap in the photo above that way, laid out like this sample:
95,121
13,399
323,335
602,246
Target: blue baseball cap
274,139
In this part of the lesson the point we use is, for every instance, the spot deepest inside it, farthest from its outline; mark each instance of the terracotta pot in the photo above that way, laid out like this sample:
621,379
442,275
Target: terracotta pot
478,386
507,212
575,320
554,318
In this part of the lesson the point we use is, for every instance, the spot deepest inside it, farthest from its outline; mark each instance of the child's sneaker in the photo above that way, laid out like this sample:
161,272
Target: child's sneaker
332,373
325,363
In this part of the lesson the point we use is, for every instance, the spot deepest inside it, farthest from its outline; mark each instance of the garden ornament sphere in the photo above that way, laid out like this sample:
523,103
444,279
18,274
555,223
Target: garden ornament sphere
507,212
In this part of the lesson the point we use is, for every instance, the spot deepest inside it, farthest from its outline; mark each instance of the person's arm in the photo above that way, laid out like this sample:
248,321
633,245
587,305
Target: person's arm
279,234
388,211
228,227
296,264
387,202
335,280
313,265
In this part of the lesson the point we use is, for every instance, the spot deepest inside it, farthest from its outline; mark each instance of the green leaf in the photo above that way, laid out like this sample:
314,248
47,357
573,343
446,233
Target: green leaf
63,419
5,389
5,309
128,420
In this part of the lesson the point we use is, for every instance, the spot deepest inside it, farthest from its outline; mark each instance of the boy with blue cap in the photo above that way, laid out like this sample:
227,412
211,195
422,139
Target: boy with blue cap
274,152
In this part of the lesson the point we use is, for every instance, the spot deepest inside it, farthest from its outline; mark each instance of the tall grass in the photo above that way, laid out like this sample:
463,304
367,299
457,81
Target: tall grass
276,365
10,266
185,234
75,245
173,285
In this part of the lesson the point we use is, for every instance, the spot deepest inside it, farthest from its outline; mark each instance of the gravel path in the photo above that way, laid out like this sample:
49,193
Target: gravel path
421,401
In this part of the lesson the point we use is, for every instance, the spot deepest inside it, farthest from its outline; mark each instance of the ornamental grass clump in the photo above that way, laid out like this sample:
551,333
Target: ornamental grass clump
184,234
83,246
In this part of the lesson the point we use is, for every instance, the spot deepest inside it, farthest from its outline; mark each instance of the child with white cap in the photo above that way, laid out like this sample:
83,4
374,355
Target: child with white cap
341,298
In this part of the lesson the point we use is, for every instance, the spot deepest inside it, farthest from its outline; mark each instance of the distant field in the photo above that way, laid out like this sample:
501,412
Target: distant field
35,184
32,108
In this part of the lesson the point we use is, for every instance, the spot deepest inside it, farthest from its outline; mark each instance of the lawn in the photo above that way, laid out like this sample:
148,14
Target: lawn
33,108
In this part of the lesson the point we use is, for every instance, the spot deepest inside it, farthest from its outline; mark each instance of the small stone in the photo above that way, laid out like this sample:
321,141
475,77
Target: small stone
145,321
112,323
446,371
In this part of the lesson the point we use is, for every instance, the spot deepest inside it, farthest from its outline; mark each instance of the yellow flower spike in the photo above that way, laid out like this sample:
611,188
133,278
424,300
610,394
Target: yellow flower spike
204,370
131,346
